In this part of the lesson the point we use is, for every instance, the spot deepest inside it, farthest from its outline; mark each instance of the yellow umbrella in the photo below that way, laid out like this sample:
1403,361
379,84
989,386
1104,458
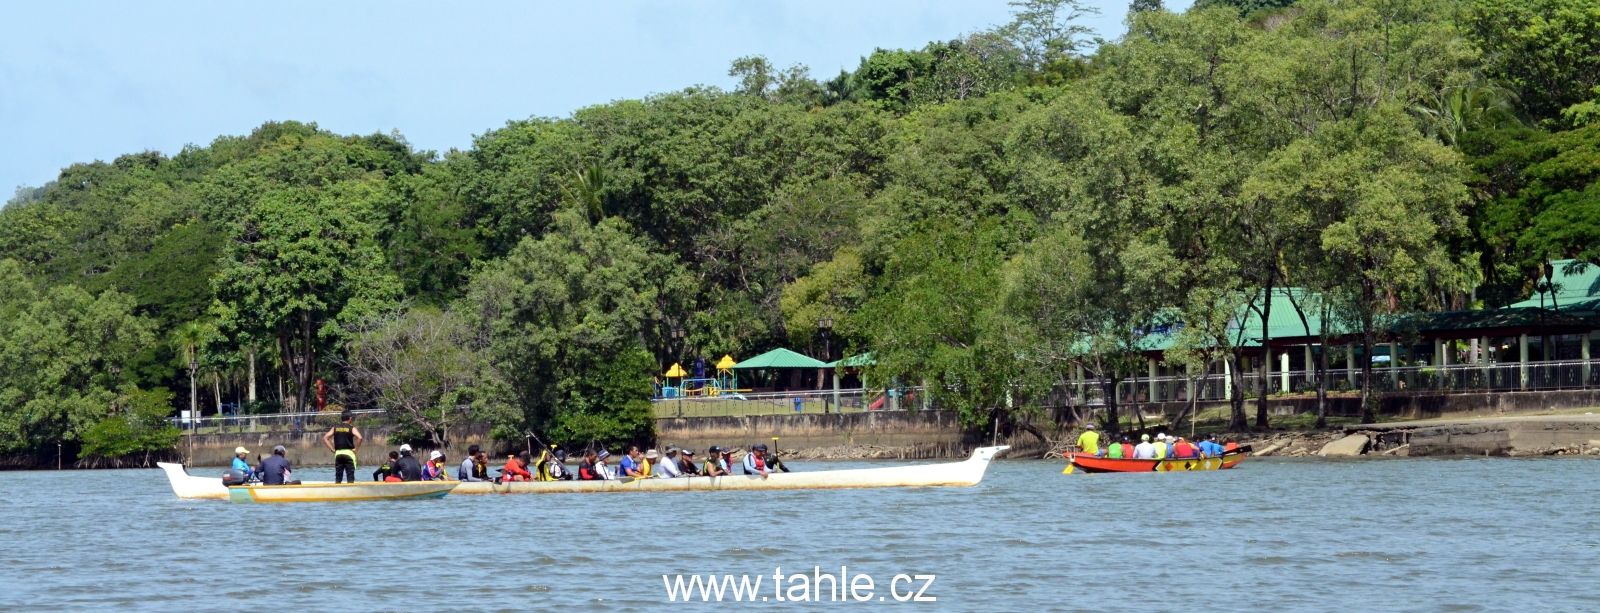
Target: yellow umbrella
676,371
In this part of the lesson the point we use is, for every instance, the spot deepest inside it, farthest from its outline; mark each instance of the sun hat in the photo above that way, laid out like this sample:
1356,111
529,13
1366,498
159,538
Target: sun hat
1161,436
652,454
239,450
405,448
436,455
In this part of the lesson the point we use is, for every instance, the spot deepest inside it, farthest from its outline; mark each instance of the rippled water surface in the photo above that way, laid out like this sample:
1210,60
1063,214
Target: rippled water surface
1295,535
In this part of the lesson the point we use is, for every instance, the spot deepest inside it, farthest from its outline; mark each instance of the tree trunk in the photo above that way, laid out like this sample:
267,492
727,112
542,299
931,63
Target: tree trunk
1238,423
1108,392
1369,413
1263,385
252,396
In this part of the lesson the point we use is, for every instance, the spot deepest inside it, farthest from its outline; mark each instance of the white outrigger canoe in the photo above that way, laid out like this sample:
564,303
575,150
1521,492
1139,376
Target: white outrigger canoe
186,485
957,474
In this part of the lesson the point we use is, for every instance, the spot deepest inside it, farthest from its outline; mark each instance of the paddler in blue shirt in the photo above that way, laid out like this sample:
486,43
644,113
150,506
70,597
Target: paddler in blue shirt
240,463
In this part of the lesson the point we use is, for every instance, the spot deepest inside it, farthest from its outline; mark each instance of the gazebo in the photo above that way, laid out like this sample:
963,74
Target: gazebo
779,360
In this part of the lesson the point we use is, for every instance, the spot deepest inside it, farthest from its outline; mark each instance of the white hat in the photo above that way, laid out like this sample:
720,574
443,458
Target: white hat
436,455
239,450
1161,436
405,448
652,454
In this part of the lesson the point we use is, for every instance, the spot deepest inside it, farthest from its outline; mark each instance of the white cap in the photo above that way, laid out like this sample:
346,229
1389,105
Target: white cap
405,448
436,455
239,450
1161,437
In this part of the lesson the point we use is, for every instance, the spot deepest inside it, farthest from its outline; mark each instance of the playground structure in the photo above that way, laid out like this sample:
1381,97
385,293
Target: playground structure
723,385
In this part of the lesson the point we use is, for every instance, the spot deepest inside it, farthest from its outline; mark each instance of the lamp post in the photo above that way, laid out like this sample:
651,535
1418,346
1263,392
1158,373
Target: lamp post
825,327
193,401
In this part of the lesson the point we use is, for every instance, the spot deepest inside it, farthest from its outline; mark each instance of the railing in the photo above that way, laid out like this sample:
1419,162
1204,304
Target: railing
1463,378
280,422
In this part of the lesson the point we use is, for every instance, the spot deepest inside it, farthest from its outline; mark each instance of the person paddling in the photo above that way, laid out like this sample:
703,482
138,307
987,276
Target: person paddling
241,463
1114,451
1182,449
385,471
407,467
275,469
686,464
1089,441
343,440
1144,450
714,466
755,462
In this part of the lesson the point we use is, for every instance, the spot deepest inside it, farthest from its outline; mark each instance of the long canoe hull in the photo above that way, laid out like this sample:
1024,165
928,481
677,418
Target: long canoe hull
186,485
190,486
1091,464
341,492
949,474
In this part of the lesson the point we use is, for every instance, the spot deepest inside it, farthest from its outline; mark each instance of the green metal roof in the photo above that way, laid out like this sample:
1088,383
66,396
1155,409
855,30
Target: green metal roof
1506,319
858,360
780,358
1575,293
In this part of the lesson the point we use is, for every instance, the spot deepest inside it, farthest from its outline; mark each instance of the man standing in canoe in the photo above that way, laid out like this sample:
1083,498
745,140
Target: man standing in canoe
1089,441
343,440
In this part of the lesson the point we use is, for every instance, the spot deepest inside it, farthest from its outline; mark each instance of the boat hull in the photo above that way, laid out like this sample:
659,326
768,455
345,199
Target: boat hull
341,492
949,474
1090,463
186,485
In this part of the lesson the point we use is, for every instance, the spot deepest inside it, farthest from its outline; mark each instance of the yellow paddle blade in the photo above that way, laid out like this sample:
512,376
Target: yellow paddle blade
1068,469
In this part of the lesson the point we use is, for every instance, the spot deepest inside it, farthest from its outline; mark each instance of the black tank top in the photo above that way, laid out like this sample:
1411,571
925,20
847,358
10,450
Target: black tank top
344,437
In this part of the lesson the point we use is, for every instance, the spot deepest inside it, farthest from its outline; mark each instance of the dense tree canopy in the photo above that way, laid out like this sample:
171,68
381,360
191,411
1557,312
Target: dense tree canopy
985,214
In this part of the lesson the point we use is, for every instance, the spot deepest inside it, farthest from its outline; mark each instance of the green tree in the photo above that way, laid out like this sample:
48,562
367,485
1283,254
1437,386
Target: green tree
1546,50
61,353
301,266
430,369
569,317
136,425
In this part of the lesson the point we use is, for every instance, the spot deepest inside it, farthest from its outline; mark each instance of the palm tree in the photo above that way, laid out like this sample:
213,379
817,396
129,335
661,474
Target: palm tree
188,339
1454,111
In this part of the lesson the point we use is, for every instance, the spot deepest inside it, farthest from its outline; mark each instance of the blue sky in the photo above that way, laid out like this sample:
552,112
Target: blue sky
93,80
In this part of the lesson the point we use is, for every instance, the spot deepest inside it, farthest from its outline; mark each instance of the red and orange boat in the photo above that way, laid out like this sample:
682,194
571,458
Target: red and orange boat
1090,463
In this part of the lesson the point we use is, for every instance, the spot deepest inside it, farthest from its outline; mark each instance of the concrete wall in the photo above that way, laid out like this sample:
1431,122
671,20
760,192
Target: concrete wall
1514,436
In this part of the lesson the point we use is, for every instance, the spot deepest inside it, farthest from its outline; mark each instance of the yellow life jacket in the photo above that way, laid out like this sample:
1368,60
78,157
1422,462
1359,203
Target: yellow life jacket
644,468
1161,449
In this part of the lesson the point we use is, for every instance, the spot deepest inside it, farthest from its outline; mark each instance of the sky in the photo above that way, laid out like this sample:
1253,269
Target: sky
81,81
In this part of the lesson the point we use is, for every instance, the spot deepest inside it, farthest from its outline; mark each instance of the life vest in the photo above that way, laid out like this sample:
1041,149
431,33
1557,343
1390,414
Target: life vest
1230,447
1184,450
1114,450
344,437
644,468
712,466
1161,450
543,467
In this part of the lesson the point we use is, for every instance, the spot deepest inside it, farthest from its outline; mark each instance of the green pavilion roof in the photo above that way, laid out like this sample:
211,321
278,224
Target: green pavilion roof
780,358
1577,293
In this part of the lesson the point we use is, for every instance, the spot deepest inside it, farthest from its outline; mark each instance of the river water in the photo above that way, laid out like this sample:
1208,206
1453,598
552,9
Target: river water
1272,535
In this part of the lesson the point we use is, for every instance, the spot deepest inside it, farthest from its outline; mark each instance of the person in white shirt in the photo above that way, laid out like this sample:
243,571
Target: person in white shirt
668,468
1144,450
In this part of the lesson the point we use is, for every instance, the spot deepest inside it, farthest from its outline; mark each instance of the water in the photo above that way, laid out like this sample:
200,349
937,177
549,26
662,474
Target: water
1275,534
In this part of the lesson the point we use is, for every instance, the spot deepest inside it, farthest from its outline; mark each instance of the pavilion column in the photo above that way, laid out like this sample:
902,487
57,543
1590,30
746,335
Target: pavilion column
1522,361
1583,353
1442,350
1154,396
1227,379
1283,373
836,406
